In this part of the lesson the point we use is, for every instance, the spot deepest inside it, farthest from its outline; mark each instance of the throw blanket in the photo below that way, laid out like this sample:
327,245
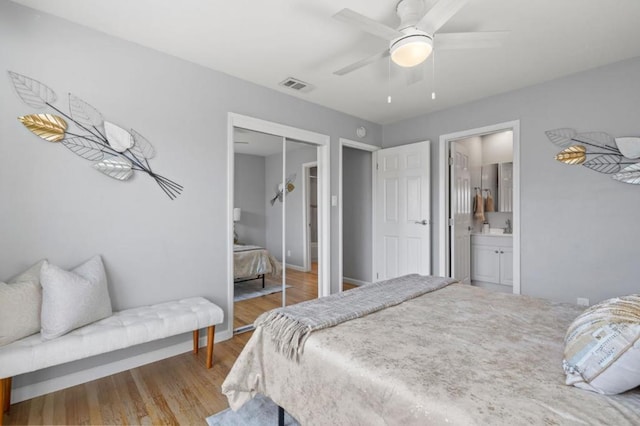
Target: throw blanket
290,327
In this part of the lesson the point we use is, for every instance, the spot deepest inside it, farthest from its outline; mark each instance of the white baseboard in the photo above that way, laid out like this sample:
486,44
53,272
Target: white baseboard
51,385
354,281
502,288
296,267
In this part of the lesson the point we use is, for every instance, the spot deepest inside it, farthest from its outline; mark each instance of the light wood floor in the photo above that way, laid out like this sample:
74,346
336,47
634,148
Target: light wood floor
177,390
304,286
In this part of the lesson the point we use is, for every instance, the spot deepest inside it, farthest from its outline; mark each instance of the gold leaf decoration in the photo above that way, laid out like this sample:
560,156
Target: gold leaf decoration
49,127
576,154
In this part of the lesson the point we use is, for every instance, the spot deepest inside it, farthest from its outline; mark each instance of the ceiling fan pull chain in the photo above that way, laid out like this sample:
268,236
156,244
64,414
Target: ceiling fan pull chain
433,75
389,82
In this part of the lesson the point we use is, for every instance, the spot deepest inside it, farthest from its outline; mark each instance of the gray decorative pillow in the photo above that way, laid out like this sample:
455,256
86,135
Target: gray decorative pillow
602,347
20,303
71,299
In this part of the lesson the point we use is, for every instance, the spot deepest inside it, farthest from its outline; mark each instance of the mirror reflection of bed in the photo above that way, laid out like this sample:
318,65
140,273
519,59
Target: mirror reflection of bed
262,187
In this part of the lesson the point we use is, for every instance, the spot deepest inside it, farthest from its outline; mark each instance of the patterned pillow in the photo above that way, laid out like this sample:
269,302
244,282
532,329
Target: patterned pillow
602,347
71,299
20,302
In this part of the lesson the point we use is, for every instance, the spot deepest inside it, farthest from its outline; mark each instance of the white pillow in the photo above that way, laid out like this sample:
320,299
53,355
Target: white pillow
71,299
20,303
602,347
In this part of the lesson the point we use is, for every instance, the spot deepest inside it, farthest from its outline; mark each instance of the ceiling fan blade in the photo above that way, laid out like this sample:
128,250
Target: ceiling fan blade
367,24
439,14
361,63
479,40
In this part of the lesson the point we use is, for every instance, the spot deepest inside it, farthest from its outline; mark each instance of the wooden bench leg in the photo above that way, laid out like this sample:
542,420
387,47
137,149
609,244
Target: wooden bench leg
7,394
5,397
196,341
210,333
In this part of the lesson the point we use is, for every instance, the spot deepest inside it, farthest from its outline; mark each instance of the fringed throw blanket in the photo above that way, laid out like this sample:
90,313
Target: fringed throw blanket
290,327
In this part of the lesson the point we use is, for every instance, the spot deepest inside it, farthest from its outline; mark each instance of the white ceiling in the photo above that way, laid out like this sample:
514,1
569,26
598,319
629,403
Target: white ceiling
268,41
262,144
256,143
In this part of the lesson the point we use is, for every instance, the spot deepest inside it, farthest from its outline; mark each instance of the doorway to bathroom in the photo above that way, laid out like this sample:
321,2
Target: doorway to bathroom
479,207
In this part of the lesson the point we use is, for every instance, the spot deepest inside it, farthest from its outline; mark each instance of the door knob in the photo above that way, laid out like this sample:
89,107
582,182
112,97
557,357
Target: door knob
421,222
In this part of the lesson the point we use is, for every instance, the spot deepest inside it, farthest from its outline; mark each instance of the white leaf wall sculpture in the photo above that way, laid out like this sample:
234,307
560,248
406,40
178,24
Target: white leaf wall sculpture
87,147
32,92
629,146
630,174
116,167
142,148
600,152
606,163
114,151
596,139
84,113
561,137
119,139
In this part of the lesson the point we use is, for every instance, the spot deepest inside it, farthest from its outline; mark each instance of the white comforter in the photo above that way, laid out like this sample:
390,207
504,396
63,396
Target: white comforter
459,355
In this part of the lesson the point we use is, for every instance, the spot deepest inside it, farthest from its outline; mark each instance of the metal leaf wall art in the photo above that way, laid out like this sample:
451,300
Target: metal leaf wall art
114,151
49,127
575,154
599,151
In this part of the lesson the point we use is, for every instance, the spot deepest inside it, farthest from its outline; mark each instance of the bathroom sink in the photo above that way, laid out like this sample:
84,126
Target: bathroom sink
498,231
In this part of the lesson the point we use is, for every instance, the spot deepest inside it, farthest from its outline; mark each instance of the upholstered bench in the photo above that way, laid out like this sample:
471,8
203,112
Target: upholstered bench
122,329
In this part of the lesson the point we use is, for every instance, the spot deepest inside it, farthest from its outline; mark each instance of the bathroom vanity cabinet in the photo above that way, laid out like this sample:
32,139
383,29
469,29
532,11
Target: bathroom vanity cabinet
492,259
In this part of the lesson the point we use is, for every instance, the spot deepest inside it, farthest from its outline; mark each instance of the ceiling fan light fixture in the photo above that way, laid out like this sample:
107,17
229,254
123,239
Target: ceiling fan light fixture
411,49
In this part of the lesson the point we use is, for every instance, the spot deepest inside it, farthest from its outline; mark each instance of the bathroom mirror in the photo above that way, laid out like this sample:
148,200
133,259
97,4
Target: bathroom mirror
497,179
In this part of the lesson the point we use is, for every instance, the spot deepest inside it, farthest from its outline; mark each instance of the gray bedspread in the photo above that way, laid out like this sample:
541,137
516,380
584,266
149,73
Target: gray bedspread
249,261
290,326
459,355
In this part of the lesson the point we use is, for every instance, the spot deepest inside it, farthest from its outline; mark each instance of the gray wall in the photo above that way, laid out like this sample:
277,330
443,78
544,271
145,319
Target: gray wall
578,227
249,189
356,214
297,154
54,205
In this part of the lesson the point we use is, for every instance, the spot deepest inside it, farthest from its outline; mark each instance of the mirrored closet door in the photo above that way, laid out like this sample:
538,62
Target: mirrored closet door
273,224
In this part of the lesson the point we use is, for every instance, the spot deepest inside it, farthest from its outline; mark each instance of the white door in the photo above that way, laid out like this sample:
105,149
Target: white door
402,231
460,197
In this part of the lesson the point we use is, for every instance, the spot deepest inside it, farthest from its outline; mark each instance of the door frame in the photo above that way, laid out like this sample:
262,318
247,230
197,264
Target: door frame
443,180
323,143
342,142
306,247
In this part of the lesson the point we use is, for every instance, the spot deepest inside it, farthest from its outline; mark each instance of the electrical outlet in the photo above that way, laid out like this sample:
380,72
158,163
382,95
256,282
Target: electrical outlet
289,255
583,301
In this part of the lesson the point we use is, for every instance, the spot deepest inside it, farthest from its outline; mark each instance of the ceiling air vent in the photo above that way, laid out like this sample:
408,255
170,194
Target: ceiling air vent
297,85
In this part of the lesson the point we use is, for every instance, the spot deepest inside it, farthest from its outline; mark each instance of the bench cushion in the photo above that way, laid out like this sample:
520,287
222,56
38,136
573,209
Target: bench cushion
122,329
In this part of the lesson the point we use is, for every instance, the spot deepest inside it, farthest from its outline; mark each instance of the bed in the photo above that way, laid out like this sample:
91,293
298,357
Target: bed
458,355
253,262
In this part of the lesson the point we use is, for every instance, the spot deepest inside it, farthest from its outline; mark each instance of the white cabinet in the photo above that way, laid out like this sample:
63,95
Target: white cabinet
492,259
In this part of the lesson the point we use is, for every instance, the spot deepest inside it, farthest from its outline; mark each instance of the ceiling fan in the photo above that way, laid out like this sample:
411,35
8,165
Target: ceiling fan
417,36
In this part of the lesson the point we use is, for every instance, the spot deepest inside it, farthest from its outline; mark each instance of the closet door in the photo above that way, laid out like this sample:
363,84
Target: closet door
296,220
